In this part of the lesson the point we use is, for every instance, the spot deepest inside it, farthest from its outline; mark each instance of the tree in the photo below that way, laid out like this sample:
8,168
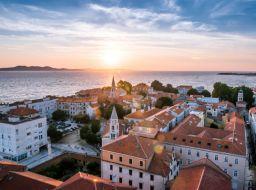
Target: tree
54,134
125,85
119,110
83,131
95,126
92,138
206,93
81,118
59,115
193,91
163,101
169,88
93,168
248,95
142,93
156,85
213,125
223,91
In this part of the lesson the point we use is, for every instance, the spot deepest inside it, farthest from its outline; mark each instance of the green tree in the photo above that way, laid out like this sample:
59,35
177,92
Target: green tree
59,115
206,93
142,93
81,118
193,91
83,131
125,85
156,85
223,91
93,168
163,101
95,126
248,95
121,112
54,134
92,138
169,88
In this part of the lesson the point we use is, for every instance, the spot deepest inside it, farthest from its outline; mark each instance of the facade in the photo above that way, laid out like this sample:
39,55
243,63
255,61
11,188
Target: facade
23,133
200,175
226,148
74,105
139,162
183,89
14,176
252,120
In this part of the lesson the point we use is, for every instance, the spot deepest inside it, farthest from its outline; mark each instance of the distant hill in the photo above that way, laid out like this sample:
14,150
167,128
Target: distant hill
33,68
232,73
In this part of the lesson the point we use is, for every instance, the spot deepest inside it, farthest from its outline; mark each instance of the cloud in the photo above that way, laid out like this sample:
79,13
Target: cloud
171,4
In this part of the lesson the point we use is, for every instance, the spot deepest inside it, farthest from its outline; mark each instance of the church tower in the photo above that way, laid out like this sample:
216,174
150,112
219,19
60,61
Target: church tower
113,88
240,96
114,125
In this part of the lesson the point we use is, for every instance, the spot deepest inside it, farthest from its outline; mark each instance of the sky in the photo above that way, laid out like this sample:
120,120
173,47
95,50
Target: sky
166,35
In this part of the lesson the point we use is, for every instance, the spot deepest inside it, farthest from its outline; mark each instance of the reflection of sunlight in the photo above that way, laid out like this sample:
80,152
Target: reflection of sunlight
112,56
158,148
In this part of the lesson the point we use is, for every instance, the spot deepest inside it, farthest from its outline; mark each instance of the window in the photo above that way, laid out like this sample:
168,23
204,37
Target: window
207,155
130,161
141,163
29,133
130,172
113,128
189,152
189,161
197,154
226,159
120,159
140,185
111,167
151,187
216,157
141,175
236,161
120,169
151,177
130,182
181,151
111,156
120,180
235,174
110,177
226,171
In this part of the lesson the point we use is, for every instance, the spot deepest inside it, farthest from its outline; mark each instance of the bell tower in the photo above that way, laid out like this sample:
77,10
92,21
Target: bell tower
114,125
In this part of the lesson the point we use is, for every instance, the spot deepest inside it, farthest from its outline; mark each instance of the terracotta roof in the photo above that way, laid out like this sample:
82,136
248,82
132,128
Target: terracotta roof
230,140
83,181
143,114
28,180
22,111
176,109
160,163
200,175
164,117
77,100
132,145
150,124
6,166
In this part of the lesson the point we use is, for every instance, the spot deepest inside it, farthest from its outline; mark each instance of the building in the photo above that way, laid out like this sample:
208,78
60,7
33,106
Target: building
183,89
138,161
141,115
75,106
200,175
241,104
252,120
23,132
113,129
14,176
225,147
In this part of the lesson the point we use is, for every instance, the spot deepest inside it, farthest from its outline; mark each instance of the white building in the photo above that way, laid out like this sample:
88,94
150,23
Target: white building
22,134
225,147
139,162
74,106
252,120
209,100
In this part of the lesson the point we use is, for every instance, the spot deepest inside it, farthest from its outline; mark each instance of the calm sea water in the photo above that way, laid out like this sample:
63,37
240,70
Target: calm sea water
16,86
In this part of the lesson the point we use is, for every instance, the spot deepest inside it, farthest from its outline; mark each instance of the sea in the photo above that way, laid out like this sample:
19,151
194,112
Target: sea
24,85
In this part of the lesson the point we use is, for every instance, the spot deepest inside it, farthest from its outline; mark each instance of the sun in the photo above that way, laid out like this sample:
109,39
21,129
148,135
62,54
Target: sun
112,56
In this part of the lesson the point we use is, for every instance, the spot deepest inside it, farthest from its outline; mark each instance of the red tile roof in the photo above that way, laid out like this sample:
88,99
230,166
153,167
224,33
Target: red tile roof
22,111
143,114
6,166
200,175
83,181
77,100
230,140
28,180
253,110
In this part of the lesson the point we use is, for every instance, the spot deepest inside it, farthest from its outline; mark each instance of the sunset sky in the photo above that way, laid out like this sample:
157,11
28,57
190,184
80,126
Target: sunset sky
217,35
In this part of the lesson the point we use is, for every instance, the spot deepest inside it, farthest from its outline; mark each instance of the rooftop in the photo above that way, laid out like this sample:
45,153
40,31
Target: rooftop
22,112
143,114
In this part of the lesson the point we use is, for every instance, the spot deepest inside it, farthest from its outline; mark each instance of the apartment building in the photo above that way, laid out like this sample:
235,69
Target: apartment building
138,161
74,106
23,132
252,120
225,147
